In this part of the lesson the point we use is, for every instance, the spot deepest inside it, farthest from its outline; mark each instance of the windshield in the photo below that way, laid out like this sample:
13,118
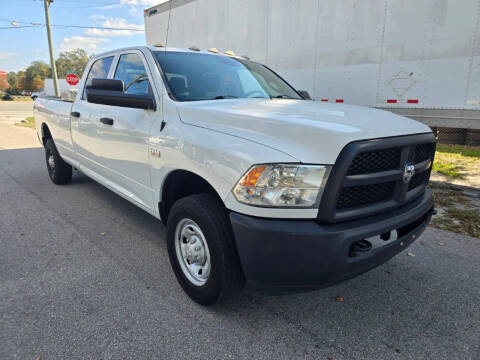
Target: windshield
198,76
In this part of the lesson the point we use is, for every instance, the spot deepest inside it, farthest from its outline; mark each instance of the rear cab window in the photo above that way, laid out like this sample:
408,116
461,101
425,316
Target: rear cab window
99,69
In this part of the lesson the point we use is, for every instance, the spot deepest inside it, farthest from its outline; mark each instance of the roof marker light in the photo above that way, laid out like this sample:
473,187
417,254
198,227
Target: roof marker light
159,45
213,50
229,53
392,101
194,48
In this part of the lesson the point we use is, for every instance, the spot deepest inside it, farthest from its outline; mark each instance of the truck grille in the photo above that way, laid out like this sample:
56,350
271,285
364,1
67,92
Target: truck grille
423,152
373,161
372,176
364,194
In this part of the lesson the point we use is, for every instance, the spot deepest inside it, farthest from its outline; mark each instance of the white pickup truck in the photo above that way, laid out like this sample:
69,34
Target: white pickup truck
256,183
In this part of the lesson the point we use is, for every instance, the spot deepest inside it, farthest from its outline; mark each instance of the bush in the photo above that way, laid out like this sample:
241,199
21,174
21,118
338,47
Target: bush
13,91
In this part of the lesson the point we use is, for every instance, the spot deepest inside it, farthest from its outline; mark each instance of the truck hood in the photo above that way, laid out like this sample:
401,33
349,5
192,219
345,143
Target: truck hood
310,131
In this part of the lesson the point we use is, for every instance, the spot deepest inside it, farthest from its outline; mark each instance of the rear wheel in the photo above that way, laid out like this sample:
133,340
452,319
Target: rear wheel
201,249
59,171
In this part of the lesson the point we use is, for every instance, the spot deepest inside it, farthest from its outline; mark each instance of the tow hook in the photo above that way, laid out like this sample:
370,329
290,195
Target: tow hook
359,246
385,236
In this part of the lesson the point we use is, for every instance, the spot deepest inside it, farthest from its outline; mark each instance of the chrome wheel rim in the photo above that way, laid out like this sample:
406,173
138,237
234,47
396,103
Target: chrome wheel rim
192,252
51,162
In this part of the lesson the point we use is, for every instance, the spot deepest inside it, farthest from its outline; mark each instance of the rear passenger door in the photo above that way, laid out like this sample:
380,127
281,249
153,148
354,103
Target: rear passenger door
122,146
84,118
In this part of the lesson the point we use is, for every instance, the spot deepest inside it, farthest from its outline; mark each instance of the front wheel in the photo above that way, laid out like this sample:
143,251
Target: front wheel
202,250
59,171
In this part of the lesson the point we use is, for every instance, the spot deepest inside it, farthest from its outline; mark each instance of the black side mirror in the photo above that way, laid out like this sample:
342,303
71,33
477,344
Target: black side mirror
112,92
107,84
304,94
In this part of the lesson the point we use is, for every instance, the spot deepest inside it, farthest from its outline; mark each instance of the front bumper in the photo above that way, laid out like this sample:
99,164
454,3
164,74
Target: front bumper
303,254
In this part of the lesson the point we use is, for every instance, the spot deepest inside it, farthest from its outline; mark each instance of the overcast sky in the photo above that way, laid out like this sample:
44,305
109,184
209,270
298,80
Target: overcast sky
20,46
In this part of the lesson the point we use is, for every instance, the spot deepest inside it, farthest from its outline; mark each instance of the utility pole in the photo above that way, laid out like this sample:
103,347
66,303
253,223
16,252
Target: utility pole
50,47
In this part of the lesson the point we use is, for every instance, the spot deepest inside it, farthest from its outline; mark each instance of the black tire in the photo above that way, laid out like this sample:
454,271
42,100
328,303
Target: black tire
226,276
61,172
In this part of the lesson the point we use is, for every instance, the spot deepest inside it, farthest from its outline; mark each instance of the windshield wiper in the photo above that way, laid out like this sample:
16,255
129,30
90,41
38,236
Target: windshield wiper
139,78
282,96
225,97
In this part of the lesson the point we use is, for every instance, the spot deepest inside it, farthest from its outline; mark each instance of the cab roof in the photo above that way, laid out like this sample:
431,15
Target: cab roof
172,49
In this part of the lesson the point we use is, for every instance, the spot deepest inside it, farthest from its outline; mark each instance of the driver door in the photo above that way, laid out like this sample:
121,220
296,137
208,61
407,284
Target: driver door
123,132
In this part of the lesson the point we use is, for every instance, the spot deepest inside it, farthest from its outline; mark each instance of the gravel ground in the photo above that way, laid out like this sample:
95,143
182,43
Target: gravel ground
67,291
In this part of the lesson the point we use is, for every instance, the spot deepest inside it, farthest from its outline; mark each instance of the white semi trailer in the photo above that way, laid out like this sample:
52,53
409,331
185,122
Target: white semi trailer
419,58
49,90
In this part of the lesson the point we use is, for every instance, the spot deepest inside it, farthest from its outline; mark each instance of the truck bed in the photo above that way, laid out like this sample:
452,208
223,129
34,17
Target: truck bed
54,113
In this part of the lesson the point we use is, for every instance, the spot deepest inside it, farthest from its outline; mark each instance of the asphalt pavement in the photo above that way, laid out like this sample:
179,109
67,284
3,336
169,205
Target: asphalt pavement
85,275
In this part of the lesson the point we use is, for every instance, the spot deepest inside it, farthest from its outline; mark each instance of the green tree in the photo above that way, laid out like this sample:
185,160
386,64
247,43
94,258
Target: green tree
21,81
37,83
37,69
12,79
33,77
74,60
4,85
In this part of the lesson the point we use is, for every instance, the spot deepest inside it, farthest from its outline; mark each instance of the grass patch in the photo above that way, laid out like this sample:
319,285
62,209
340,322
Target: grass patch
17,98
456,161
29,122
463,150
456,212
461,221
445,197
448,169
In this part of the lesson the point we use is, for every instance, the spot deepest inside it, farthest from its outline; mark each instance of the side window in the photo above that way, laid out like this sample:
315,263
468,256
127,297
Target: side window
130,69
99,69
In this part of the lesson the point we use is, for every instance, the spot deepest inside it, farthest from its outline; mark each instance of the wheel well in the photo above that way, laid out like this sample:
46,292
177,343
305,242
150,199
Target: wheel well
45,133
179,184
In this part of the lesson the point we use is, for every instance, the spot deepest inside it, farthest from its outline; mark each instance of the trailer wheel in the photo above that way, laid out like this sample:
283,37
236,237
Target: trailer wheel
201,249
59,171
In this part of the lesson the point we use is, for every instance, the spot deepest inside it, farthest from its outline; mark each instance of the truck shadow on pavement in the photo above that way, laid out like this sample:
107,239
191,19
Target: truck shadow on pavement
424,305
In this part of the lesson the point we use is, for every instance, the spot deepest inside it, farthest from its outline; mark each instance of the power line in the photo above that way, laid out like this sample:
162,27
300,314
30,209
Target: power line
96,6
97,27
70,26
83,2
37,24
14,21
18,27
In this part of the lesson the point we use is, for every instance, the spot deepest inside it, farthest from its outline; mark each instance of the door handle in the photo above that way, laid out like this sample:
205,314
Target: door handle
75,114
106,121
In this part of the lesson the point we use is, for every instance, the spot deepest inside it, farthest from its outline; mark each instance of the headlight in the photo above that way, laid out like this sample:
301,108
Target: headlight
281,185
